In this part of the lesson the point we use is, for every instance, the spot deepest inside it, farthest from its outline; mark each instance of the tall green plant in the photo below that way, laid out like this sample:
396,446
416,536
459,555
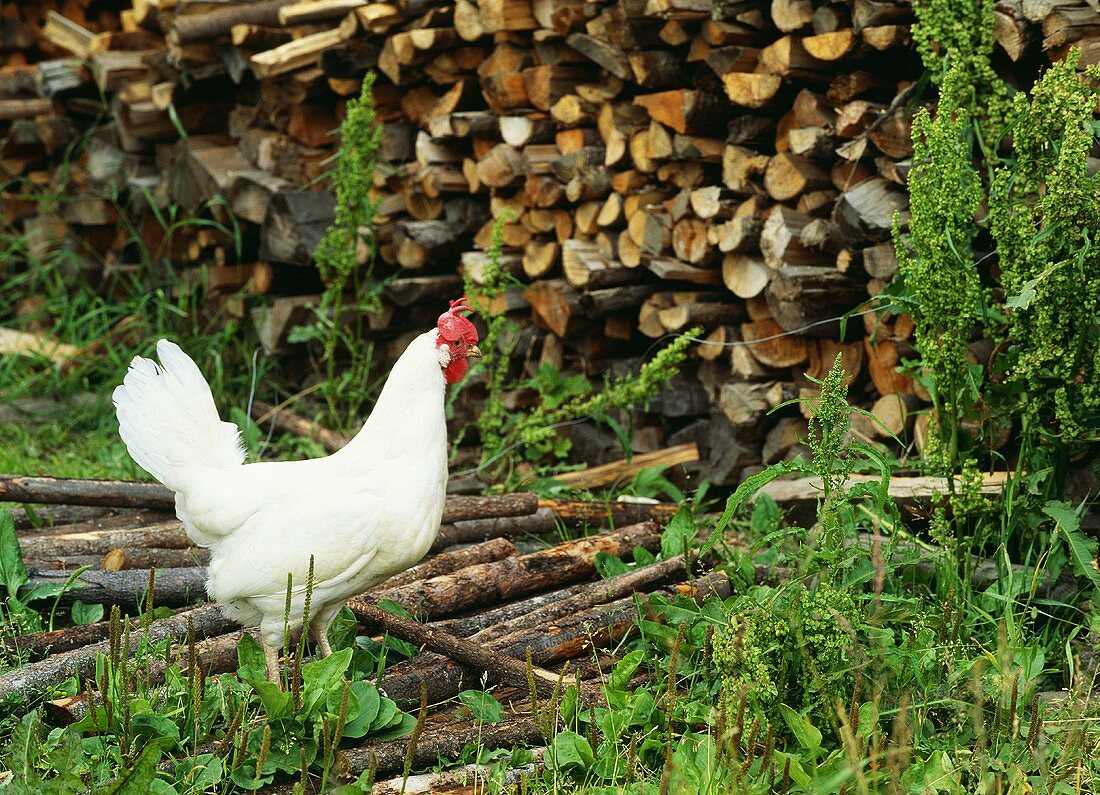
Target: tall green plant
1045,216
349,294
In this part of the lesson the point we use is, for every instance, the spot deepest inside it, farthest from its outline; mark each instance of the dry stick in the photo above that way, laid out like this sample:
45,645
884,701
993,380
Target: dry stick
500,669
23,684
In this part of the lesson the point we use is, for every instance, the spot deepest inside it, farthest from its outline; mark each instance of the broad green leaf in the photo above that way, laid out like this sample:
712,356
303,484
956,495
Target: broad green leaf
608,566
13,573
138,779
677,537
401,726
483,706
766,516
366,700
322,673
570,752
808,737
624,669
1082,548
249,653
152,726
386,710
86,613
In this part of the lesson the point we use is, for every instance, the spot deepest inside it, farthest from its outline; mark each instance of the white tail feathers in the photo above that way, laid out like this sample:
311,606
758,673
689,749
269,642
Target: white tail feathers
167,418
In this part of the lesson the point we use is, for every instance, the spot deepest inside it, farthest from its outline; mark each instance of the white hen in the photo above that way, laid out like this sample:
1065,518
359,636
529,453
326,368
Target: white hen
364,513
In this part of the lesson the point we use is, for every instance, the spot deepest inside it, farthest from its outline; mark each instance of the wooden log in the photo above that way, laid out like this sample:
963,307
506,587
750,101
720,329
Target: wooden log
745,276
746,405
445,741
209,25
476,530
127,589
615,514
570,635
789,175
780,239
543,608
866,212
771,346
686,112
167,535
802,296
488,583
752,89
20,685
65,491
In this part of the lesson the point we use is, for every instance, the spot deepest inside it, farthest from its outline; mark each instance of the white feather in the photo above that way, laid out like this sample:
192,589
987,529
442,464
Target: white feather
169,422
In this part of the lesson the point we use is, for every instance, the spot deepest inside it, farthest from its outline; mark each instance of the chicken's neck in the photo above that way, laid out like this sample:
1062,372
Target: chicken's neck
408,422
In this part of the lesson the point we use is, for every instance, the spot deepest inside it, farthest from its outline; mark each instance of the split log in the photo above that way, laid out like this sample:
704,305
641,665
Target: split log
799,497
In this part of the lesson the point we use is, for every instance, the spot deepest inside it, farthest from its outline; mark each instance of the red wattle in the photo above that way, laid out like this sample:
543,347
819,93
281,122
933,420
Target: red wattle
455,370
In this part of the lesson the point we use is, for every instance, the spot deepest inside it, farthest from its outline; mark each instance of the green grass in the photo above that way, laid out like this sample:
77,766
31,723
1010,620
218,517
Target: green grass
83,444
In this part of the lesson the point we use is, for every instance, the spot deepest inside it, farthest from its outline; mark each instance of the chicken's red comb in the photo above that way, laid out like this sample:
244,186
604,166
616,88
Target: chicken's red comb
453,326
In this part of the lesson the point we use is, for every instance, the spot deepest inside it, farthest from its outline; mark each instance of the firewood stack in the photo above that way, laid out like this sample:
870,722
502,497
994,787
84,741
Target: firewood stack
663,164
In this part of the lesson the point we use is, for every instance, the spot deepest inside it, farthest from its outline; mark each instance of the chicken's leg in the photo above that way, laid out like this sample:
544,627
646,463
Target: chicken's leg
271,659
271,639
318,628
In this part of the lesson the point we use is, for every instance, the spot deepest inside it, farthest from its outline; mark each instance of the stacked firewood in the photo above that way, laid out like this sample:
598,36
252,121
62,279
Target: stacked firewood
661,165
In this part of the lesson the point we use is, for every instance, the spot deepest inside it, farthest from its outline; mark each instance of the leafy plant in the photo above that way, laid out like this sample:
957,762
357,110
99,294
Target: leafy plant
349,294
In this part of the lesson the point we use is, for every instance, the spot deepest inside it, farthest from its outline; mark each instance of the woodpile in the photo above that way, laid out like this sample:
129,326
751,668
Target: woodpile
663,164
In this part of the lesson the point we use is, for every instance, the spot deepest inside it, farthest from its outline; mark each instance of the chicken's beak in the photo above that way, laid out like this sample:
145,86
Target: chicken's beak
473,352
